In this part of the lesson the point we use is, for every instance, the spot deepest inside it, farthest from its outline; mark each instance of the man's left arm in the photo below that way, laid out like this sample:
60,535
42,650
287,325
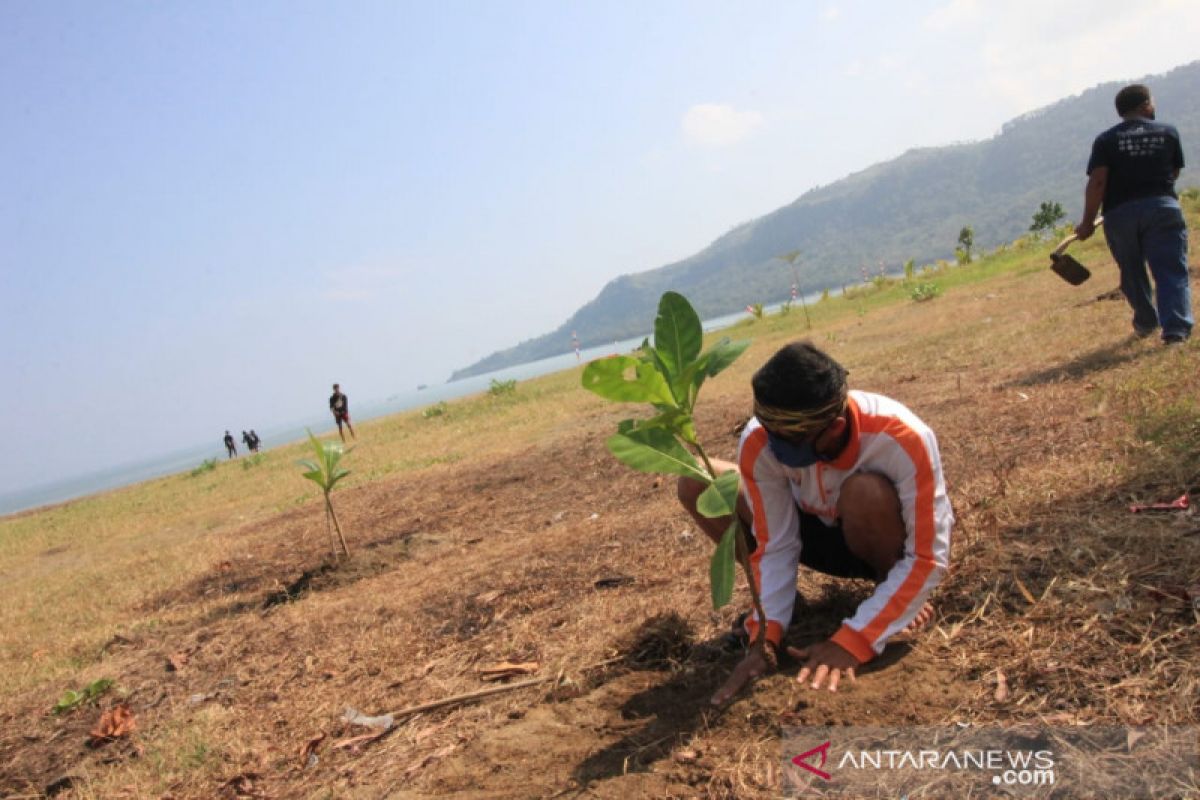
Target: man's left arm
913,465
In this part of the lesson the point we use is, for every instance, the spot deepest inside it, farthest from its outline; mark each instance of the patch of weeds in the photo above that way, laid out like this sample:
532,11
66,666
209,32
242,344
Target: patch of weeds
88,695
207,465
253,461
196,755
498,388
924,291
439,409
1174,427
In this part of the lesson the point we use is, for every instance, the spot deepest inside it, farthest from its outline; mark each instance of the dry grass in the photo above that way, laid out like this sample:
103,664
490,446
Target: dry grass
485,535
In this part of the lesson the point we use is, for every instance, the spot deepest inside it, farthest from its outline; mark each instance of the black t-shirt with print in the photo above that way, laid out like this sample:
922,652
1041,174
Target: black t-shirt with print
1142,157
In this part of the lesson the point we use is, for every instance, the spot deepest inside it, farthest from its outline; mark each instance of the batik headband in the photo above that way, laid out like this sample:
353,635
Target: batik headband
796,421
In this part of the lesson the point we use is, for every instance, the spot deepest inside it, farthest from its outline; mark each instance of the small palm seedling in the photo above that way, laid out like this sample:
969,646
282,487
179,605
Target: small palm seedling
668,376
325,472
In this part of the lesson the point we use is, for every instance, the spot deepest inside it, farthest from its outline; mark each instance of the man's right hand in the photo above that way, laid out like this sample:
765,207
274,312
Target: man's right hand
754,665
1084,230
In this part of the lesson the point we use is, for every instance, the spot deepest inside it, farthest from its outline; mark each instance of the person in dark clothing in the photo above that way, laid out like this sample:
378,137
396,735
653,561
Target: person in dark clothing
230,447
1131,174
255,442
248,442
339,405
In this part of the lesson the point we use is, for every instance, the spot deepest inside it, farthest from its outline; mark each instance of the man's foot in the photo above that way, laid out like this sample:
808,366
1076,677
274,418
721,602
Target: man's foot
1142,333
1174,338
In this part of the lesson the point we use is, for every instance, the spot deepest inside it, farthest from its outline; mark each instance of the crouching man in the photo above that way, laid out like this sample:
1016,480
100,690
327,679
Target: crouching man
847,483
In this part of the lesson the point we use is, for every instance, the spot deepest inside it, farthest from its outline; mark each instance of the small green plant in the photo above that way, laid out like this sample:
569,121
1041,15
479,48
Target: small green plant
72,699
755,310
924,291
1046,218
502,388
325,473
668,376
253,461
207,465
436,410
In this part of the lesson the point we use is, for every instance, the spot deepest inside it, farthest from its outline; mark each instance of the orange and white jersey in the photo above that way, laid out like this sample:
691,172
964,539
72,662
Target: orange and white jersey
889,440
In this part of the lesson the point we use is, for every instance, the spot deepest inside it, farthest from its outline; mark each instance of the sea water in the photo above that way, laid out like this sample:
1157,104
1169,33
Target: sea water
190,458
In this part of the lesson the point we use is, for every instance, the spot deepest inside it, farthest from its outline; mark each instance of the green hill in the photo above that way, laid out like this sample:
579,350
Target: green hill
910,207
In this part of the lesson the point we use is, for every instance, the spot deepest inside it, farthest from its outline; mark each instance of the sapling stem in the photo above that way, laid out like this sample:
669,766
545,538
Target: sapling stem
337,527
743,558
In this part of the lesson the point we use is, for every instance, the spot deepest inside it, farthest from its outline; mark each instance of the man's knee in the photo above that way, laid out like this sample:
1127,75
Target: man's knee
869,508
867,493
688,490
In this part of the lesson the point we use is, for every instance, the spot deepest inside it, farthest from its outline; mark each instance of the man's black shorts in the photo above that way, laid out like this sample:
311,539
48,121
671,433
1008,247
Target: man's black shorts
824,549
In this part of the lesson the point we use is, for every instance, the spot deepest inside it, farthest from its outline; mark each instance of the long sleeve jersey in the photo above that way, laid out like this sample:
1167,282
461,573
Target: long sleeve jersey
887,439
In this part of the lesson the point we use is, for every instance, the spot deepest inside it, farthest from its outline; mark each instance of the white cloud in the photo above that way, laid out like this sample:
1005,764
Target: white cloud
1075,45
716,125
954,15
831,13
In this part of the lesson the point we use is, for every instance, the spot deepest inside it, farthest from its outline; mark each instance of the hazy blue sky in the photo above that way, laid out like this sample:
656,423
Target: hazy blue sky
211,211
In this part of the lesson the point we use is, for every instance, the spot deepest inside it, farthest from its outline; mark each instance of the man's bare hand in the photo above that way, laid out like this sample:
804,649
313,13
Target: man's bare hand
752,666
825,660
1084,230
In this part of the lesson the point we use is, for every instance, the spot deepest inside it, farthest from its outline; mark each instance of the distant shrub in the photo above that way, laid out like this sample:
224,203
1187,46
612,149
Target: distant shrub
1190,195
253,461
207,465
924,291
756,309
436,410
502,388
786,308
910,267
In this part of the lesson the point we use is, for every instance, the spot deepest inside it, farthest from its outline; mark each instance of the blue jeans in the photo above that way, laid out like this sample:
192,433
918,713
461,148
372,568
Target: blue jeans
1152,231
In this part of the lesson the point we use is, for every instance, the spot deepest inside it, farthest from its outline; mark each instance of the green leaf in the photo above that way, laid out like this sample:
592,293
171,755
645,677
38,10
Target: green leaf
720,568
610,378
678,335
724,353
720,498
654,450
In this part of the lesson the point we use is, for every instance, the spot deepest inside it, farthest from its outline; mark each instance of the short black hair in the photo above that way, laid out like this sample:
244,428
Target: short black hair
799,377
1131,98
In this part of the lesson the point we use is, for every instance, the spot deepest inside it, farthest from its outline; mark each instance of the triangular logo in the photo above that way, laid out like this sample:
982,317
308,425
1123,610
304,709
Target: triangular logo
821,750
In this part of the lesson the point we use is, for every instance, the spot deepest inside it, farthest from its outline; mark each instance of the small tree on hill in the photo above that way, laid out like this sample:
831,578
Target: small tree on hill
1046,218
966,240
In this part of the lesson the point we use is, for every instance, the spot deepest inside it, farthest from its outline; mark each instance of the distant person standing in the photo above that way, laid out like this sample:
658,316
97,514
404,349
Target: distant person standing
230,447
255,442
249,442
339,404
1131,174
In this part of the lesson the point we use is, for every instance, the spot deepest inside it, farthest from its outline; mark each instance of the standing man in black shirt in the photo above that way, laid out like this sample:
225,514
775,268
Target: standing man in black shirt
230,447
1132,173
339,404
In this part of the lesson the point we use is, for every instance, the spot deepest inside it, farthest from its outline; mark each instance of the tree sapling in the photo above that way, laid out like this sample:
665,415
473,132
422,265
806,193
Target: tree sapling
325,472
668,375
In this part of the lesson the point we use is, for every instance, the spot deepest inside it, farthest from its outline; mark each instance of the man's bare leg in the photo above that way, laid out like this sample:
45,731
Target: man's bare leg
874,529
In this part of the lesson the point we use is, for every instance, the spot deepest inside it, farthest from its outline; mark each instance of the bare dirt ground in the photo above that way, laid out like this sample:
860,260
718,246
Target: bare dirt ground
1061,605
